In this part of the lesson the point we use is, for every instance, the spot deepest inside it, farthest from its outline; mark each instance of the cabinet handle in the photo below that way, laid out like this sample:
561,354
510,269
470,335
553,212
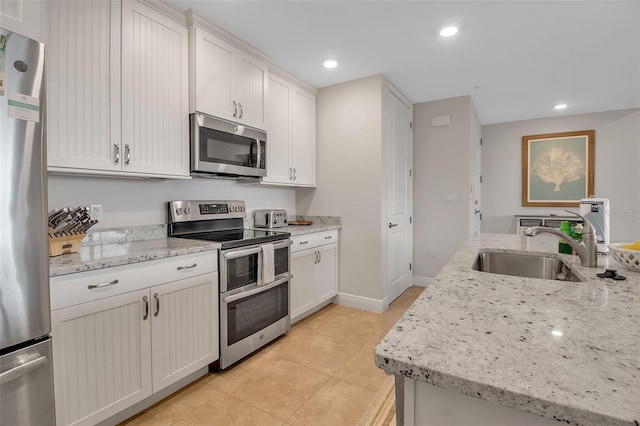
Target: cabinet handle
392,225
304,242
328,238
92,286
295,174
180,268
235,109
319,256
290,173
241,110
145,299
127,155
155,296
116,153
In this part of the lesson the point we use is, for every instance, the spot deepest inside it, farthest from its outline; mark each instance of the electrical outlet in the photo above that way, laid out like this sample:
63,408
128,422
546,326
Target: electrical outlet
96,212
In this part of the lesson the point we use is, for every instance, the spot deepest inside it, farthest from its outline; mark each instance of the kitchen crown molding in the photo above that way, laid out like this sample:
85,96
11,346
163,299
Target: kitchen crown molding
194,18
168,9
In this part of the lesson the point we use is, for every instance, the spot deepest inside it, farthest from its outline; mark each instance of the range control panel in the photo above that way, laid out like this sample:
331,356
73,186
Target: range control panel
186,211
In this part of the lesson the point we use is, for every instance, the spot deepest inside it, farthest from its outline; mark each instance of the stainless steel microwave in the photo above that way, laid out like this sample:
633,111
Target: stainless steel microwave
224,148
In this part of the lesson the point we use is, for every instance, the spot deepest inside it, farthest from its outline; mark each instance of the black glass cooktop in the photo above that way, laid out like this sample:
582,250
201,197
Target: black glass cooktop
239,237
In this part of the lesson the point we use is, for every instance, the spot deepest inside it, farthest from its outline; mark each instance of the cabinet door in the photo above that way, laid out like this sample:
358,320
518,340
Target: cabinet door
22,17
304,138
302,293
326,273
279,138
184,327
251,91
83,84
215,79
101,357
155,92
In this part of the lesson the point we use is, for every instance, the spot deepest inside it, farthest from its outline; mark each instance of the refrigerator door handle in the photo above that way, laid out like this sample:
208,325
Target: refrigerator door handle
22,370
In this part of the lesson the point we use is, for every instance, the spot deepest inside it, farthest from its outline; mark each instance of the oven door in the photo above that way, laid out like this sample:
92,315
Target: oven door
251,318
242,267
220,146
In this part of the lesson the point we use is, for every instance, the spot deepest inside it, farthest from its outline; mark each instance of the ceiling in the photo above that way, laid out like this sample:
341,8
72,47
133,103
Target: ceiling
516,59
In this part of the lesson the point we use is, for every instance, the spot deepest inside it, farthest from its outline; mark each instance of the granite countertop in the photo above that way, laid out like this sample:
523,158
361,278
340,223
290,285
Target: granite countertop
121,246
296,230
490,336
100,256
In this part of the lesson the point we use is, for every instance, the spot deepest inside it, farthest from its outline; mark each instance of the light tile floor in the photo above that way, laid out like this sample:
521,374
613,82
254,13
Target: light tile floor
321,373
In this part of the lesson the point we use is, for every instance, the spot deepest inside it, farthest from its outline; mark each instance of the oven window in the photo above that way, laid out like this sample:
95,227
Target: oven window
281,260
226,148
254,313
242,271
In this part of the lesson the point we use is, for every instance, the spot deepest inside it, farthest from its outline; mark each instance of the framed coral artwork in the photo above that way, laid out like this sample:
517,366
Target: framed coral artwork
557,168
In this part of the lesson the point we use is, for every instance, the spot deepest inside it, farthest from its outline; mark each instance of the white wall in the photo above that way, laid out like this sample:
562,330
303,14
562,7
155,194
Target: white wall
617,168
441,158
134,202
349,145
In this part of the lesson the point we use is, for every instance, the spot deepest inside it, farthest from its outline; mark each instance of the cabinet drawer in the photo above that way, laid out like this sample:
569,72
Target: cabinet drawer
303,242
82,287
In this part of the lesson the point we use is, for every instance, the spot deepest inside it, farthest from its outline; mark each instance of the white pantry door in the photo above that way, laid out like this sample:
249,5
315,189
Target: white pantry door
400,196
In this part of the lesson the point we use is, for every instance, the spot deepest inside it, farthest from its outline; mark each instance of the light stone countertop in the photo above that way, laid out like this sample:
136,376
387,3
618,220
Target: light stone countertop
100,256
489,336
121,246
296,230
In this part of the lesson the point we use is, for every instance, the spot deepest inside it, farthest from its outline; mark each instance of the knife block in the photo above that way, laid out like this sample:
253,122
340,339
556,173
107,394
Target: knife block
63,244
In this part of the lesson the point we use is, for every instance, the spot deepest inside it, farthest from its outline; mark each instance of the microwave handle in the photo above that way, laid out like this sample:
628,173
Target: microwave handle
259,154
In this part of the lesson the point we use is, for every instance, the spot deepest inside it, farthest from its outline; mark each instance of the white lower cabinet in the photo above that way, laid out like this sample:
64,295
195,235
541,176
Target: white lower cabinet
314,265
130,342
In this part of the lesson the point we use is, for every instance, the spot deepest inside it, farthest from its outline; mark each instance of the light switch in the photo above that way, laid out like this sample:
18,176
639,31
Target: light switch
450,197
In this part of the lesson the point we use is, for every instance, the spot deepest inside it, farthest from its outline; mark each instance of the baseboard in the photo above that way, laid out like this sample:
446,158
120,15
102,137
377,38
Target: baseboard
421,281
360,302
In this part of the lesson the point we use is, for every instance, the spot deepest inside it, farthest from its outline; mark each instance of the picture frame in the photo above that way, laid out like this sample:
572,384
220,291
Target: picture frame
557,168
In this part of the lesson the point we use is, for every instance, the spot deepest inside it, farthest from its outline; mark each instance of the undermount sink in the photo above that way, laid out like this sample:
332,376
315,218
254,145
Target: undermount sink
524,265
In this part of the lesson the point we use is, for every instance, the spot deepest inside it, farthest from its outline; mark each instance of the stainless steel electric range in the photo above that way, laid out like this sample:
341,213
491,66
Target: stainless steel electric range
254,273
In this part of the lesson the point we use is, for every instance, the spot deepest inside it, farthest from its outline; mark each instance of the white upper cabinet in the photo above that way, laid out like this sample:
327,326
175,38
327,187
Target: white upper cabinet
227,82
22,17
291,141
117,79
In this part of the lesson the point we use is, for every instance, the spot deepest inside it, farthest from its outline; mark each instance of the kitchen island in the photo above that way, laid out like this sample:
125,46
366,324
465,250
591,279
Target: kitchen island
559,350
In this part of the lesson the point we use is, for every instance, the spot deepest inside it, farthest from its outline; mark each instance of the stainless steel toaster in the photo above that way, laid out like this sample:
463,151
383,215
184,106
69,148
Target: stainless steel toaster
270,218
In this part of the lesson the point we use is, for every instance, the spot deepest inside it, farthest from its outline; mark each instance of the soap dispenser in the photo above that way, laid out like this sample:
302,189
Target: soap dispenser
563,246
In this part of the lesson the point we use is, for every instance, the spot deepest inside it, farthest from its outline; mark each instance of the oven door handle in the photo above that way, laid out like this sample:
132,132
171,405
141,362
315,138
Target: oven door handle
282,244
242,253
234,254
234,297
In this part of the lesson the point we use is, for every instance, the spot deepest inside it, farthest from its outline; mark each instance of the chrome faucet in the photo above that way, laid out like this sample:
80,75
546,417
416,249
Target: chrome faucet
587,250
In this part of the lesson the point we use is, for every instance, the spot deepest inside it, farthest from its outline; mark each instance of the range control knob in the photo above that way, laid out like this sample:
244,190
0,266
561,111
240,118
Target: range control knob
187,210
232,209
179,211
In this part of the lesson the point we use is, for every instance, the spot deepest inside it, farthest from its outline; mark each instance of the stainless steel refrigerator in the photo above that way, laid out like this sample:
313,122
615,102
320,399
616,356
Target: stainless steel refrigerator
26,378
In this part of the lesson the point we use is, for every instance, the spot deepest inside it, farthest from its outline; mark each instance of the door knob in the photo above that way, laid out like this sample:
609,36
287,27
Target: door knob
391,225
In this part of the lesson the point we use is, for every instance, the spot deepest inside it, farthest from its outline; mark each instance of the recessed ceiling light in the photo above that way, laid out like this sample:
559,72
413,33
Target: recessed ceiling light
560,106
330,63
448,31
